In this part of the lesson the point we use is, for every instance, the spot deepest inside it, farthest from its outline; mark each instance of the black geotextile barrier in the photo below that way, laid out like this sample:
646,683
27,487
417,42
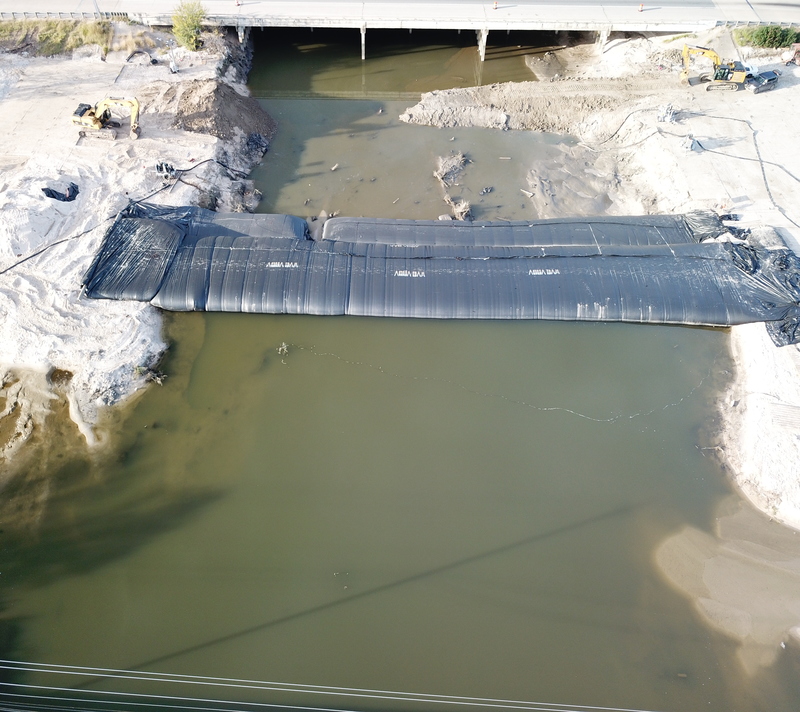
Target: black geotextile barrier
664,269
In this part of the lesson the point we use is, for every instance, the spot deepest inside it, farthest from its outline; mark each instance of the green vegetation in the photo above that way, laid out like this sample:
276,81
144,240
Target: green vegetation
766,36
187,23
46,38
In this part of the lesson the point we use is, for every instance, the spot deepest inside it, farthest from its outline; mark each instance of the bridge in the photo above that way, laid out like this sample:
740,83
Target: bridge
480,16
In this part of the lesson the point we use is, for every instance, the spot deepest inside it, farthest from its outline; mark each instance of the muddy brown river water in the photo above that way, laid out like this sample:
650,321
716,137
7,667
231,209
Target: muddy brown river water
443,508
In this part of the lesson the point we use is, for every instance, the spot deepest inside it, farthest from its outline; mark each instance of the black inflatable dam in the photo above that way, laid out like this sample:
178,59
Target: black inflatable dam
665,269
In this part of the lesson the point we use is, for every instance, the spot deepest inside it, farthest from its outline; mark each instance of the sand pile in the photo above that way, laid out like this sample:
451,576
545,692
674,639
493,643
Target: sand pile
521,106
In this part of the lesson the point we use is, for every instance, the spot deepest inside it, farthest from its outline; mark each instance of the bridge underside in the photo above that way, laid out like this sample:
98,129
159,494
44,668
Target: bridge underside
478,22
482,18
479,17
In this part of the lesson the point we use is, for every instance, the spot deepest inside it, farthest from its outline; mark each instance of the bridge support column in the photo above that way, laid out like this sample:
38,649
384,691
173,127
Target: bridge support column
483,35
602,38
244,34
363,42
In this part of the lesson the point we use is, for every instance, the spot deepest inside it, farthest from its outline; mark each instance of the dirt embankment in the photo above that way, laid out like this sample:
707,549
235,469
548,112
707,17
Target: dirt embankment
63,356
226,112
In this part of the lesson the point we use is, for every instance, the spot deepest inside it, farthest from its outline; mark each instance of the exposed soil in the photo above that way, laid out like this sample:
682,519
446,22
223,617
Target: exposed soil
214,108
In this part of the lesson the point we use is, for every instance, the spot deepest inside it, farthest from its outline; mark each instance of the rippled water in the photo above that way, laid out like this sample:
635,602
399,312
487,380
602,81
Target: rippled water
449,508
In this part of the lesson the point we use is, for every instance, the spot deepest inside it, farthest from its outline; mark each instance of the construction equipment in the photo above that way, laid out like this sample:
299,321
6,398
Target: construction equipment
793,55
96,120
727,76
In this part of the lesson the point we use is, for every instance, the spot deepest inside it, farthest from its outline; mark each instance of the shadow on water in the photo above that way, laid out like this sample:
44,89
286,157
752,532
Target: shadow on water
296,63
10,636
74,545
474,558
73,511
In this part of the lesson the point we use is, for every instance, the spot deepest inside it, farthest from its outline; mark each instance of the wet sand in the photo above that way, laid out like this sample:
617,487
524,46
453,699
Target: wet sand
744,579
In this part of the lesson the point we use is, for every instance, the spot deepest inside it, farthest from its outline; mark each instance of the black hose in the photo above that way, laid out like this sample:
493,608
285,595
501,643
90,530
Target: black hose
753,132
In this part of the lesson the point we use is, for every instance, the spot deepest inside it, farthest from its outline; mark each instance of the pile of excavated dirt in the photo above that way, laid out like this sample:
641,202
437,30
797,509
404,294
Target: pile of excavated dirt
215,108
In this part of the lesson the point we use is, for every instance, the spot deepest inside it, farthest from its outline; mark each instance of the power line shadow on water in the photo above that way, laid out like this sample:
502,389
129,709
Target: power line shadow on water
497,551
97,675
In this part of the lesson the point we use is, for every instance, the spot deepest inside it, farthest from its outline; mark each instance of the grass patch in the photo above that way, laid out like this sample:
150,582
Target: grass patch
45,38
129,43
772,36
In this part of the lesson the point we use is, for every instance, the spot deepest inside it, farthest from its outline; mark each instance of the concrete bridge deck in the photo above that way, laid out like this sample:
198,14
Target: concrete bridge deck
616,15
602,16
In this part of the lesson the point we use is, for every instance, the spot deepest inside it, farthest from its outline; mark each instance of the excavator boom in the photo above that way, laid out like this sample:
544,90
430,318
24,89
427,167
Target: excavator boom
98,119
689,50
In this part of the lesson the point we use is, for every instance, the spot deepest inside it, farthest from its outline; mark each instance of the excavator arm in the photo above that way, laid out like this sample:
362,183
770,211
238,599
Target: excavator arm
689,50
98,117
727,75
103,111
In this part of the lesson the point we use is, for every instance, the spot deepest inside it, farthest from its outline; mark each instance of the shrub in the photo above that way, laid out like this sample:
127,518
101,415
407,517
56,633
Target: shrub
767,36
774,36
89,33
187,23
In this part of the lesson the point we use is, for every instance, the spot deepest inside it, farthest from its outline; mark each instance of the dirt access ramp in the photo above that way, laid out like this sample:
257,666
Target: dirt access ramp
553,107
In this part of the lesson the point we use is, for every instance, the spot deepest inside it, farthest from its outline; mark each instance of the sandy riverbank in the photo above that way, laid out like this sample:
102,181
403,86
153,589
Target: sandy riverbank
744,579
56,346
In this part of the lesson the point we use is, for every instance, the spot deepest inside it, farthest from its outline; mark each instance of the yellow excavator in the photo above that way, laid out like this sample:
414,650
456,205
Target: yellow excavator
96,120
727,76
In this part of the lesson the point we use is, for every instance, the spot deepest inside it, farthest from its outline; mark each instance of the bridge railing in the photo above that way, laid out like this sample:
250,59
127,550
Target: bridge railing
64,16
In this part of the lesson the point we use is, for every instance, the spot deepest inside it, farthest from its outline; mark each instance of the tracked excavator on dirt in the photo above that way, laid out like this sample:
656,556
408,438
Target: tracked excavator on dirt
96,120
726,76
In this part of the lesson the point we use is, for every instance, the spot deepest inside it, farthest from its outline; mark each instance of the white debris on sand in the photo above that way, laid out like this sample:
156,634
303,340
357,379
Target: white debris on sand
101,352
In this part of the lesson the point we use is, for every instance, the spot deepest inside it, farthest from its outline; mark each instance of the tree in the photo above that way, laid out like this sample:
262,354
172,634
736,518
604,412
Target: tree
187,23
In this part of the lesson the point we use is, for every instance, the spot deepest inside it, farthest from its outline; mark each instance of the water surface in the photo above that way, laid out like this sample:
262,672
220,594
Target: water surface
451,508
